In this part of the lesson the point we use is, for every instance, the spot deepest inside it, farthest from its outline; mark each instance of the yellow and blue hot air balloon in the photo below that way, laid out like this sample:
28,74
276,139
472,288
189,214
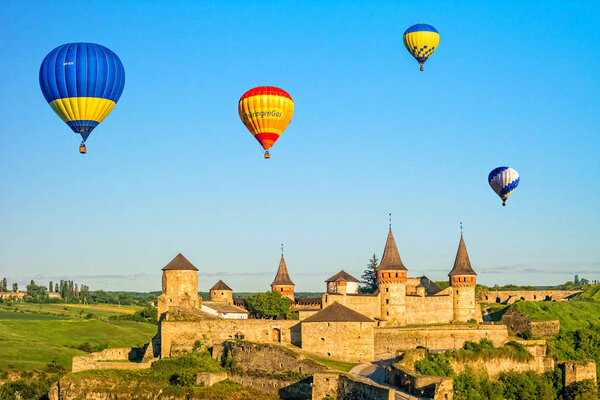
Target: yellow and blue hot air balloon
421,40
82,82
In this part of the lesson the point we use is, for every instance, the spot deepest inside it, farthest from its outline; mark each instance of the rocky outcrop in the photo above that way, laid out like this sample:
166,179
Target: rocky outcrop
521,323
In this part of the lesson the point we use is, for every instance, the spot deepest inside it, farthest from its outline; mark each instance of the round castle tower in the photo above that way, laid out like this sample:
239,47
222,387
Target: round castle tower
282,282
391,279
179,286
462,280
221,293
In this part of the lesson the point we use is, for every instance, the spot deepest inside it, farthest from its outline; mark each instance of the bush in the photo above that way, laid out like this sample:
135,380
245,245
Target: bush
88,348
583,390
434,365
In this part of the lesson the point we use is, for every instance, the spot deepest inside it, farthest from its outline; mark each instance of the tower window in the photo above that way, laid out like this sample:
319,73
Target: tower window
387,313
387,289
456,291
396,274
387,301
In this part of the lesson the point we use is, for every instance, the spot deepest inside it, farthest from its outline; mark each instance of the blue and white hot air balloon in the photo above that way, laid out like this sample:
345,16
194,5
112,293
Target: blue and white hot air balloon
504,181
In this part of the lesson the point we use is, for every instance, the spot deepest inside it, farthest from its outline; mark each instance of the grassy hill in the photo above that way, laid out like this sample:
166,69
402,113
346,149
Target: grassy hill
592,292
572,314
29,340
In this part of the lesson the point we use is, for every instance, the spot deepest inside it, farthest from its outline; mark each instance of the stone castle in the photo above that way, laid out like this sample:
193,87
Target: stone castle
343,323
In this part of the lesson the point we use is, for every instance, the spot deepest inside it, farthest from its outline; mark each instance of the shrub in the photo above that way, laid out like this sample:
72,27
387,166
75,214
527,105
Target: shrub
434,365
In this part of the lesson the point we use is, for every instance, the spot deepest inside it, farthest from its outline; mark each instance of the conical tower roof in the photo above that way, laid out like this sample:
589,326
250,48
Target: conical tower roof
462,265
282,277
179,263
220,286
391,258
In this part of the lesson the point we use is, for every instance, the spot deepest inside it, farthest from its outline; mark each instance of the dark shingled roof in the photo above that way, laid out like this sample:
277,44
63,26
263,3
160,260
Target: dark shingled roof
462,265
430,286
221,286
282,277
342,276
180,263
391,258
337,313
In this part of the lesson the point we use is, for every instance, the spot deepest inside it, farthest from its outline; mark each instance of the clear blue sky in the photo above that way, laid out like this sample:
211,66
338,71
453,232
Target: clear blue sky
172,169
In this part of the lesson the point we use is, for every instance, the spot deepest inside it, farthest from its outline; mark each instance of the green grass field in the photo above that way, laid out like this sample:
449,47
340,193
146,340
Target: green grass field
572,314
70,311
30,344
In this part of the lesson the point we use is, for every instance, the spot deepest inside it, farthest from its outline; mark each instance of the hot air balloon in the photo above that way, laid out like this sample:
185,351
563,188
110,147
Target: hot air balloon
266,111
421,40
504,181
82,82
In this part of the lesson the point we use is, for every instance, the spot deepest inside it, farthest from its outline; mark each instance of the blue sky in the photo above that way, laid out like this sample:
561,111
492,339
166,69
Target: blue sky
172,169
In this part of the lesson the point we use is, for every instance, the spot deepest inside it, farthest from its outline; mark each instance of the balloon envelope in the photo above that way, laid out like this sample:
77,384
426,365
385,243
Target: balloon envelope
504,181
266,111
421,40
82,82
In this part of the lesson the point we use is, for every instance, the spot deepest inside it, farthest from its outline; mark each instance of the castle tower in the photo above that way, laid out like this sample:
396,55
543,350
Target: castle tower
221,293
179,286
342,283
391,279
462,280
282,282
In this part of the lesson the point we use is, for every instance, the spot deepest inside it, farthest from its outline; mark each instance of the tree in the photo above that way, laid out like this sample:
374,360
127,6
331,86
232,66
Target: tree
268,305
368,282
3,285
56,287
50,286
15,287
576,280
36,291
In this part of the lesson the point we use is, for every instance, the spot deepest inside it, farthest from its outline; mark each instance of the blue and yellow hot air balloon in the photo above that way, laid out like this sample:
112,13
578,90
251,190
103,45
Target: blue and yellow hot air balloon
421,40
82,82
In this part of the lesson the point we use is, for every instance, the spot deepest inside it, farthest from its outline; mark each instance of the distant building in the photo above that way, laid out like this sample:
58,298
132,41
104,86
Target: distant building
54,295
18,296
282,282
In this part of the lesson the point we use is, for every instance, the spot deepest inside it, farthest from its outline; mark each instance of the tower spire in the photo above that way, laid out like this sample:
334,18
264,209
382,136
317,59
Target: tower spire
462,264
391,258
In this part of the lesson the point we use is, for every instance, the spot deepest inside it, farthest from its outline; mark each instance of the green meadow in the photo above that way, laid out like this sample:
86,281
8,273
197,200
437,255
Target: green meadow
30,340
573,314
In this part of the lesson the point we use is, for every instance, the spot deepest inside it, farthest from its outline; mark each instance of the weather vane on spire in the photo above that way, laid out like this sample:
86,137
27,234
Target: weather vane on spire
390,216
460,228
281,248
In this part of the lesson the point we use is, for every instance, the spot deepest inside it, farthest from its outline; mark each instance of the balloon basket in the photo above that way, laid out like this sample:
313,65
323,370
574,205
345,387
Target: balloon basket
267,155
82,148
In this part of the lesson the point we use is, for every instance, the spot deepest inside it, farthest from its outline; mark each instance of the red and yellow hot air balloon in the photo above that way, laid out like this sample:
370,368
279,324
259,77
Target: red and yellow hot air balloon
266,111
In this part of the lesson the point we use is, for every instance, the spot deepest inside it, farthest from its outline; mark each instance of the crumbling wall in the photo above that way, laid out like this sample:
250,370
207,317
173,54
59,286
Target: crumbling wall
521,323
130,357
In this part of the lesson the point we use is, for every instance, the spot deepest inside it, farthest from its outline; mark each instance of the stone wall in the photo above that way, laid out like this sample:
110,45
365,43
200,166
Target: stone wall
576,371
495,366
521,323
434,387
348,341
428,309
436,338
180,335
293,389
210,378
130,357
345,387
504,296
